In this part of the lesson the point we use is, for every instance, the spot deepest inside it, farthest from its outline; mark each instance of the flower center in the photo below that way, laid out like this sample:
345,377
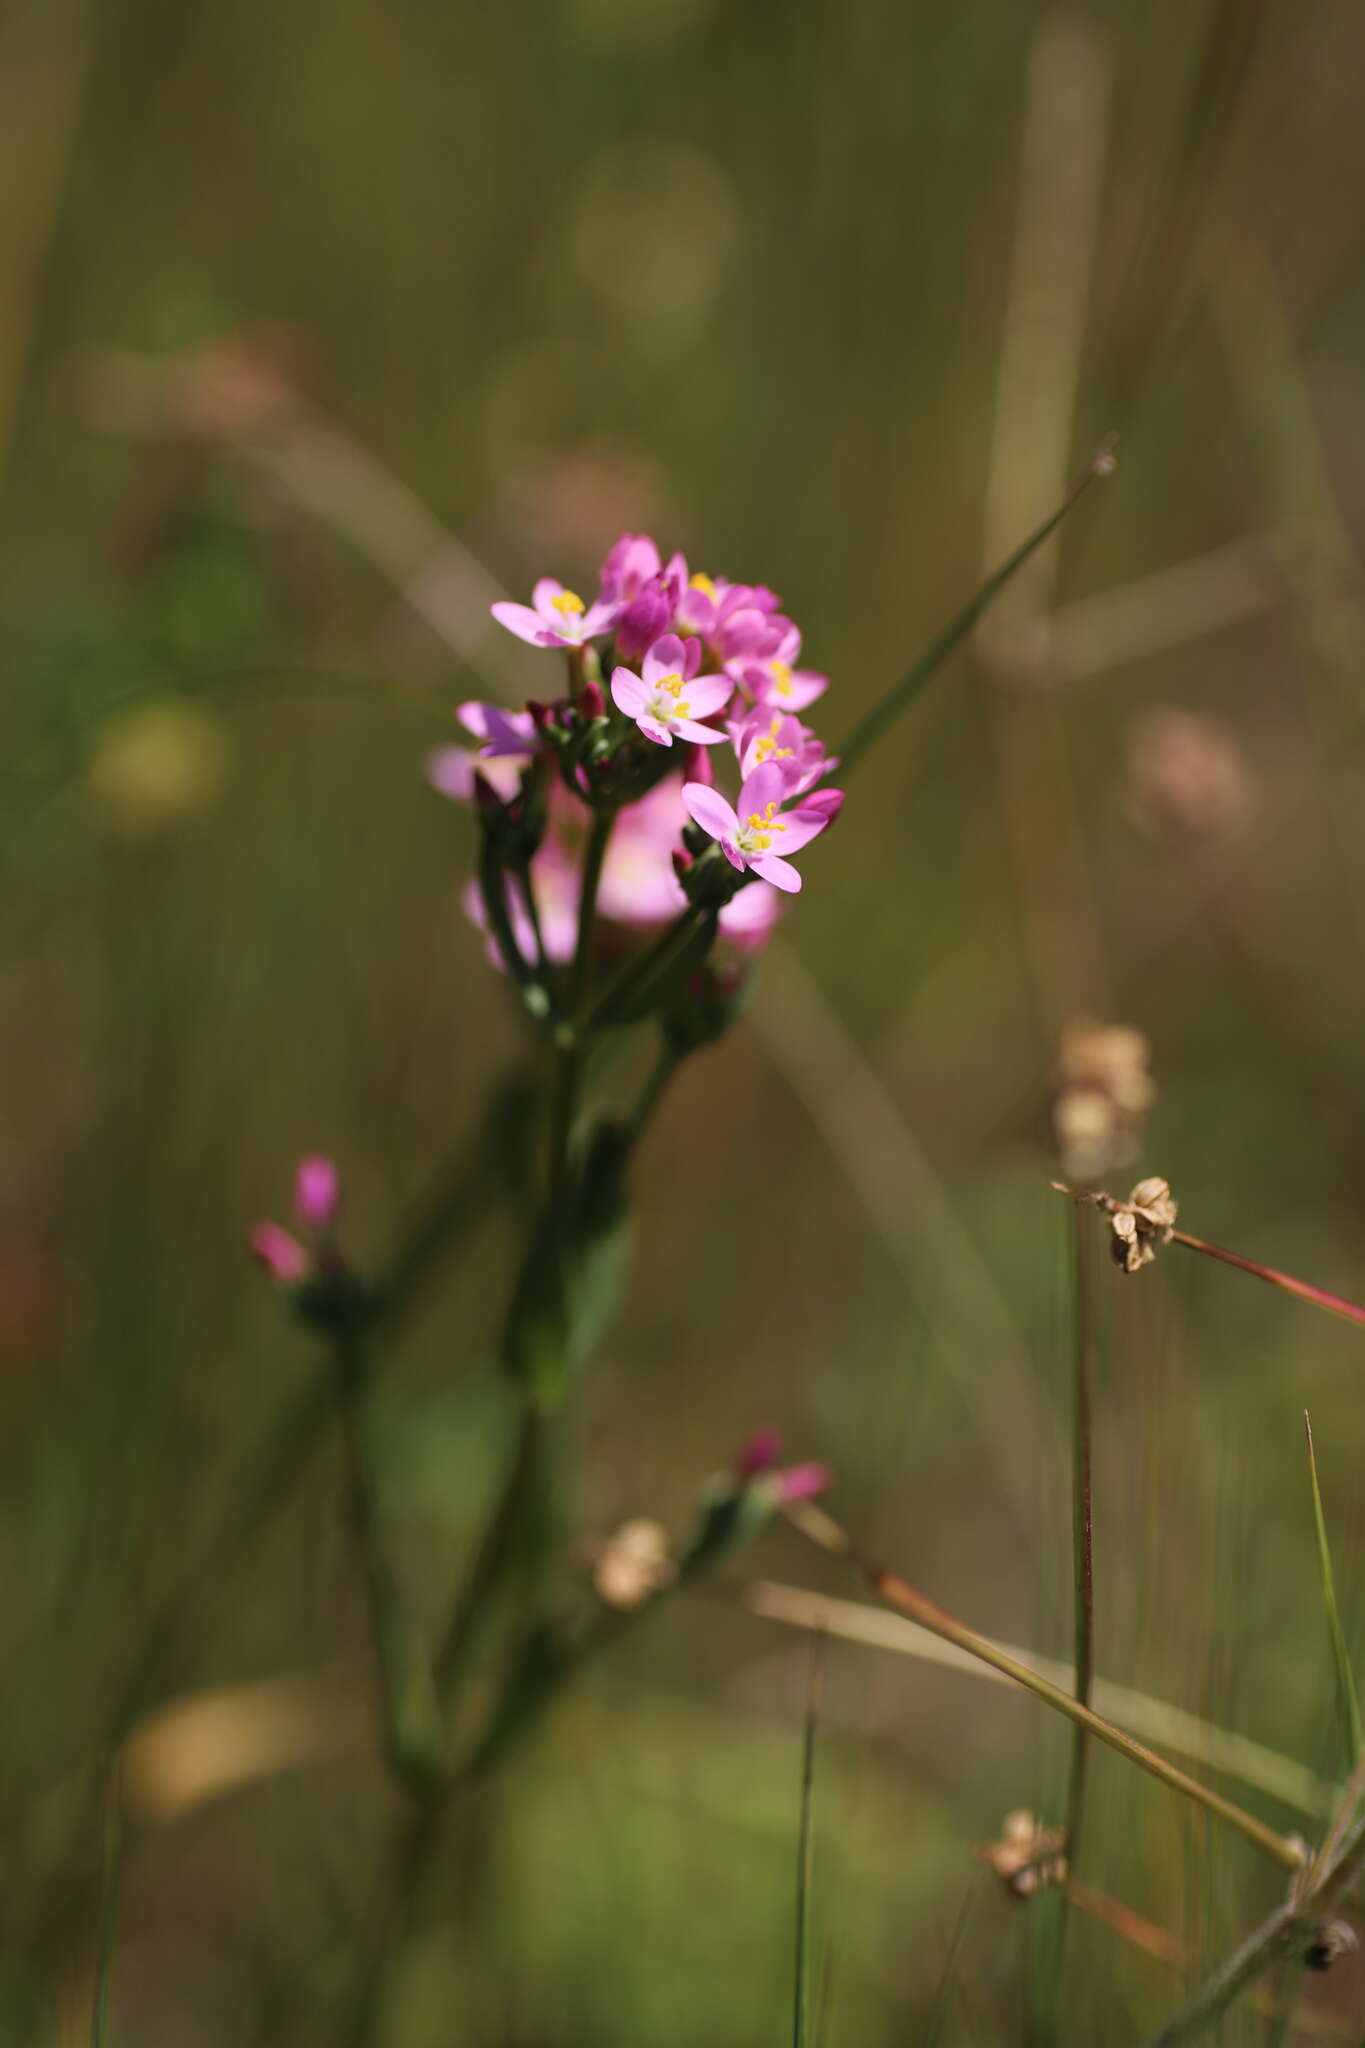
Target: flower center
768,749
704,584
669,701
759,828
780,671
568,603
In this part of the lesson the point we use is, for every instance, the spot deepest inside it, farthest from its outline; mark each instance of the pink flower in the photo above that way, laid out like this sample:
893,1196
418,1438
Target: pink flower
629,566
771,735
502,732
748,837
748,919
666,699
775,679
555,881
734,619
556,617
638,885
452,771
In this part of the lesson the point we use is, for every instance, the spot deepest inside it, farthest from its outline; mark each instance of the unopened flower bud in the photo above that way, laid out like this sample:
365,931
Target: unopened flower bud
317,1192
804,1482
281,1254
591,702
682,861
760,1453
700,767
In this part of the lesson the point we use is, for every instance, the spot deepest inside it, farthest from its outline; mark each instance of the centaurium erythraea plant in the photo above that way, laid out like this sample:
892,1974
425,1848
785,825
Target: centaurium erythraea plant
588,829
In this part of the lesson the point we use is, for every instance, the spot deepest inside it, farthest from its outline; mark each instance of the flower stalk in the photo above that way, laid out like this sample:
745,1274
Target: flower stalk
906,1599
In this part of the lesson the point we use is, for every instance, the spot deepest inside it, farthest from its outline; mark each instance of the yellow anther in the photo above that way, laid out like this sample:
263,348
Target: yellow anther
673,684
704,584
766,822
768,750
781,674
567,602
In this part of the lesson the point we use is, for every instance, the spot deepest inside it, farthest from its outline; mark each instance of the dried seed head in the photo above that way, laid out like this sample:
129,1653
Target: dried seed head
633,1564
1328,1943
1028,1857
1187,776
1103,1090
1141,1223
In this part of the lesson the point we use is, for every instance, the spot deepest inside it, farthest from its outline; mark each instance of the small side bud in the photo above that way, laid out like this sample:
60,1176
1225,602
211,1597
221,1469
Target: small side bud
700,767
317,1192
804,1482
281,1254
682,861
760,1453
591,702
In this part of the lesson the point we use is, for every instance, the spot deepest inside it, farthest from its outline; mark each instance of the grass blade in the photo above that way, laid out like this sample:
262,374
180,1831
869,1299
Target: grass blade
1346,1685
904,693
806,1843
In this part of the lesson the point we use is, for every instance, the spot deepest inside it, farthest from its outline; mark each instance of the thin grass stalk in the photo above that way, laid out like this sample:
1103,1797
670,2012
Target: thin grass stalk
805,1850
104,1959
822,1530
1082,1520
1053,1928
1347,1698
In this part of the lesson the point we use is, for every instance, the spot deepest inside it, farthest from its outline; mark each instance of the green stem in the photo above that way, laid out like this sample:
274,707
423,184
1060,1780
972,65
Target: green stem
637,974
904,693
402,1678
1082,1526
593,855
494,1553
665,1065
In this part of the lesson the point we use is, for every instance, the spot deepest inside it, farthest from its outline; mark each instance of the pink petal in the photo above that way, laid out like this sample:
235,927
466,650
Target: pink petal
798,830
780,873
767,785
543,598
706,694
700,735
652,730
708,808
521,620
666,657
451,771
628,692
803,1482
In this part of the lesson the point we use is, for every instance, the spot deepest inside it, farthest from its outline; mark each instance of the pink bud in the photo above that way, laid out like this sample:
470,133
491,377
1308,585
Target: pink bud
283,1257
682,861
803,1482
317,1192
540,713
759,1454
700,767
591,702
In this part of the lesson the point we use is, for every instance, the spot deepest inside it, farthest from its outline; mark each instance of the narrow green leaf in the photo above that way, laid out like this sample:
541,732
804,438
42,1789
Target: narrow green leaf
904,693
1346,1685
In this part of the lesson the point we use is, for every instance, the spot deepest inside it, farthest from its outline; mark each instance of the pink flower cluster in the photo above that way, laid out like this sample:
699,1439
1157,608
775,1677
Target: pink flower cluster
695,663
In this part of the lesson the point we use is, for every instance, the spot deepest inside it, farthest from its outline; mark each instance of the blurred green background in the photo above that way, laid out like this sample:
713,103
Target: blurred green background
834,298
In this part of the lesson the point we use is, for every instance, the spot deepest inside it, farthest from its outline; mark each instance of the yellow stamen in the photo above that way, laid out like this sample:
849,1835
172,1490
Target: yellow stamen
703,584
568,602
673,684
781,674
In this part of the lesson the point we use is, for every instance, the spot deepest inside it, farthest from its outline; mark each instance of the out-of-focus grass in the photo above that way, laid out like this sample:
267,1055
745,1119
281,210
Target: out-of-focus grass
740,274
